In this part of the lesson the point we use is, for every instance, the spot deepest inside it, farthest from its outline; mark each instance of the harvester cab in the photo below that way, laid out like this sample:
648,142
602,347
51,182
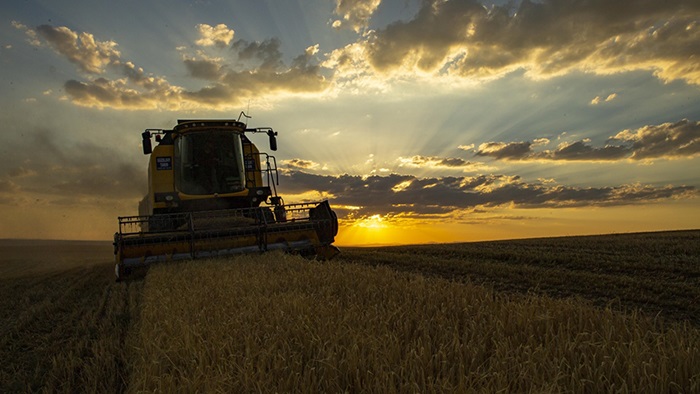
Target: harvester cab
211,192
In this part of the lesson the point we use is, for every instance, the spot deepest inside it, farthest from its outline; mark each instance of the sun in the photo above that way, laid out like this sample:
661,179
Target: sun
385,230
374,222
368,230
380,230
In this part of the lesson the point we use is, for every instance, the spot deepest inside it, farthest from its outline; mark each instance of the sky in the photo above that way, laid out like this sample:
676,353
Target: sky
421,121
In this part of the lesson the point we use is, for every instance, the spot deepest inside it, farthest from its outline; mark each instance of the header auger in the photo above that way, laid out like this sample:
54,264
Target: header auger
211,192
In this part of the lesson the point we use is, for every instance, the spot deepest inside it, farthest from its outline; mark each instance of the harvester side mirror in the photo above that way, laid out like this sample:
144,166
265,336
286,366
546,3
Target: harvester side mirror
147,149
273,139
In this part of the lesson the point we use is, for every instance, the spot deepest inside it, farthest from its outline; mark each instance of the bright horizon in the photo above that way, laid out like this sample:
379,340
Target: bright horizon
420,121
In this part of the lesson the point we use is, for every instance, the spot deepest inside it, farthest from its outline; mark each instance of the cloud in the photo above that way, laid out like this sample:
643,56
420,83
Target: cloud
32,36
300,164
581,150
436,162
665,141
505,151
544,38
266,52
461,39
355,13
598,99
120,84
219,35
20,172
7,186
105,93
83,50
540,142
62,170
425,42
206,68
423,197
312,50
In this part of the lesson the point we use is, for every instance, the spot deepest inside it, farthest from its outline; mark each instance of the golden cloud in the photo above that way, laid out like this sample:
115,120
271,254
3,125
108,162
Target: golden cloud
355,13
545,39
219,35
123,85
81,49
665,141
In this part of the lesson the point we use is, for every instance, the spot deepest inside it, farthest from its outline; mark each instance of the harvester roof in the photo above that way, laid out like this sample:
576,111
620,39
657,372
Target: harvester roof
190,124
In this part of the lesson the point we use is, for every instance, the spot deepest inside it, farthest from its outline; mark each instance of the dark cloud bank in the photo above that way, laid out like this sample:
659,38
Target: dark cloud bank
426,197
40,166
665,141
64,173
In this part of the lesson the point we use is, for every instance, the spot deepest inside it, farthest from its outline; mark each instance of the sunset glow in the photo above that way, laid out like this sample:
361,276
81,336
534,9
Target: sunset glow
420,121
373,222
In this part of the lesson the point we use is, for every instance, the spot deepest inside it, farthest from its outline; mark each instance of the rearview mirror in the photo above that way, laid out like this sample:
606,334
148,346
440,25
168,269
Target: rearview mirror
147,148
273,139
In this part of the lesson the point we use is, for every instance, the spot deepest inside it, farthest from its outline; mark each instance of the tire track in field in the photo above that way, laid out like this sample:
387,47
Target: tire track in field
39,330
125,318
66,331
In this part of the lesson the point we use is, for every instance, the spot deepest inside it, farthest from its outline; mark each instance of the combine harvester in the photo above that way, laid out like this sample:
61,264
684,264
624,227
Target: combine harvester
211,192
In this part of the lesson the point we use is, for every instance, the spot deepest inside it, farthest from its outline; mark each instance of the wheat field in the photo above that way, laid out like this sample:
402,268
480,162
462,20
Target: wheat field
279,323
64,323
576,315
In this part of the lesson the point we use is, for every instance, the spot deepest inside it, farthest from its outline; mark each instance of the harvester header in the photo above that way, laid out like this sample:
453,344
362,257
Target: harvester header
211,192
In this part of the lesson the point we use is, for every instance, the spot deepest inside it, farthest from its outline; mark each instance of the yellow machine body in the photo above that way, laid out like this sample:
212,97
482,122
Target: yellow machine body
211,192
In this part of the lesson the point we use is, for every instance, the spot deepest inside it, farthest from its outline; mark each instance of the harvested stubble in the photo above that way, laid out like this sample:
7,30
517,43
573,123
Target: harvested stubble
278,323
65,330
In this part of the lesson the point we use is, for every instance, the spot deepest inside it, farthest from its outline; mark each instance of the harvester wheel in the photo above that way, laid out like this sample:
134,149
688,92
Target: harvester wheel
121,272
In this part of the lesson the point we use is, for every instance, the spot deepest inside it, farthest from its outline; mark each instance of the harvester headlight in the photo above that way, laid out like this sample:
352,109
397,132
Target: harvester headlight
259,192
168,198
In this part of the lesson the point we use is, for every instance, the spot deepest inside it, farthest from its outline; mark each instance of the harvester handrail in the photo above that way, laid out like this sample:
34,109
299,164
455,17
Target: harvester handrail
274,168
271,180
131,226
